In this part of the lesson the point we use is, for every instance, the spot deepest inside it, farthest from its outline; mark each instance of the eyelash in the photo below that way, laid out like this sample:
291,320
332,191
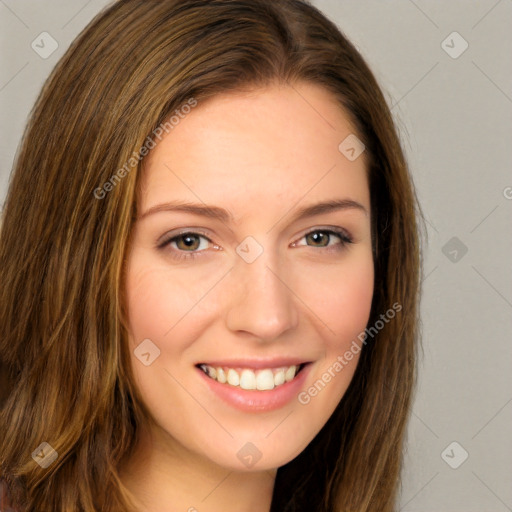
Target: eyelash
188,255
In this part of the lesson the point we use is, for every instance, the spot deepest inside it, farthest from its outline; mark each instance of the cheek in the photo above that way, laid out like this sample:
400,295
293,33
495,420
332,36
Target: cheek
341,296
146,294
157,299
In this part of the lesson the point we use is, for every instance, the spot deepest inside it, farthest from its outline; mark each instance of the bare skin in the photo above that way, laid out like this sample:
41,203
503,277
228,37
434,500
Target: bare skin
262,156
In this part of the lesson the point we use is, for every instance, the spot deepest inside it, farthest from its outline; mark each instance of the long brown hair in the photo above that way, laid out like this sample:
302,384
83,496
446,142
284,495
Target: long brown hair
63,338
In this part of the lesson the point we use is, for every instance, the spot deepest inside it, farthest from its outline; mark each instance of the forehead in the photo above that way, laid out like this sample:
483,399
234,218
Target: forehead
265,149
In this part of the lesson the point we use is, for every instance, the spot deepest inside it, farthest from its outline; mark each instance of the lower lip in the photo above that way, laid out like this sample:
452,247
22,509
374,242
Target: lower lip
258,401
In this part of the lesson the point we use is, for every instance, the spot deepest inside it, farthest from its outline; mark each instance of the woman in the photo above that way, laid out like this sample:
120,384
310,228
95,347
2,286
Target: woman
210,270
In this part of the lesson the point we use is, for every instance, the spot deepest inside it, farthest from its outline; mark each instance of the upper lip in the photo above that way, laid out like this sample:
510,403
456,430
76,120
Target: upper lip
255,364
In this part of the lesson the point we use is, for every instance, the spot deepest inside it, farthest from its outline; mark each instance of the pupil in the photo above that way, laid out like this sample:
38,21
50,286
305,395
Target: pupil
317,237
189,240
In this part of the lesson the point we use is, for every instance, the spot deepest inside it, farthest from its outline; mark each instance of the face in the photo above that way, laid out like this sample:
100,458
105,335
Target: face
243,291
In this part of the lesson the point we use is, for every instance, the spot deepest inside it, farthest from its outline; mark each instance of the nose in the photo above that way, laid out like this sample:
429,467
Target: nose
262,303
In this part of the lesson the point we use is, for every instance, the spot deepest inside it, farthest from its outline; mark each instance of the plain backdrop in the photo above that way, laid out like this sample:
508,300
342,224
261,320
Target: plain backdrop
445,70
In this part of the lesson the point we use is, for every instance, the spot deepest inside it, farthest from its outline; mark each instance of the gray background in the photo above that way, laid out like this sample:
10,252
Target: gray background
454,112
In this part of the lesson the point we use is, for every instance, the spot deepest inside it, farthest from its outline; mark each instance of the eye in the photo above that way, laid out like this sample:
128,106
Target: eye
190,244
187,244
322,238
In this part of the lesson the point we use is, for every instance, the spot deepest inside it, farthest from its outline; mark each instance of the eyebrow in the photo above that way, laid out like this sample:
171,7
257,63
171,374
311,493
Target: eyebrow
217,213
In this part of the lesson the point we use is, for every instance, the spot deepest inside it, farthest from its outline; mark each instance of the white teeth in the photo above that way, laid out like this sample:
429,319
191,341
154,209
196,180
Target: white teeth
248,380
233,377
279,378
265,380
290,373
221,376
261,380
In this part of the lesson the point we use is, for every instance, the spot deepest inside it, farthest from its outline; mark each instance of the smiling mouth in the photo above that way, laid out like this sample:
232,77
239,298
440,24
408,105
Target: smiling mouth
263,379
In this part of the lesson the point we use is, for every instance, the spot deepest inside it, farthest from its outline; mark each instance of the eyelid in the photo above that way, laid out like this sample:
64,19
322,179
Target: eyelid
337,230
168,237
178,255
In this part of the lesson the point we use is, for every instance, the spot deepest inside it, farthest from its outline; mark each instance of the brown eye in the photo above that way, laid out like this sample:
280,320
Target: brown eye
319,238
322,238
187,245
188,242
